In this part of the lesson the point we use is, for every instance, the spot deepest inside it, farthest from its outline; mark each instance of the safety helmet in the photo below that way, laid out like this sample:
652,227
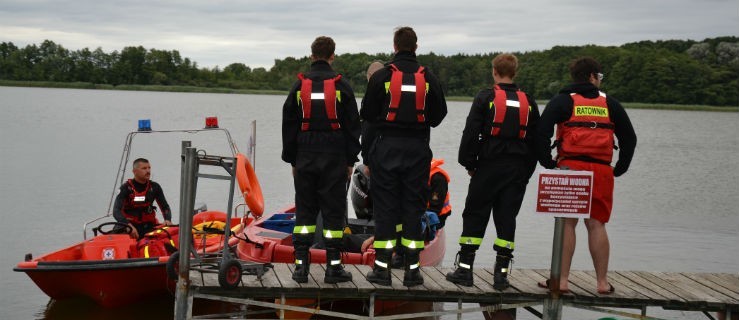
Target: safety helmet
359,192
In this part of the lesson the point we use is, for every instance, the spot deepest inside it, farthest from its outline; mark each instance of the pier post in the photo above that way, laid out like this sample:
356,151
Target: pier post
553,305
183,307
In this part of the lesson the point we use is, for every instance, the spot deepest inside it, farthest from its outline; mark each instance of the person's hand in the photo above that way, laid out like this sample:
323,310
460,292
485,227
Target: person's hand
369,243
134,234
167,223
349,172
294,171
471,172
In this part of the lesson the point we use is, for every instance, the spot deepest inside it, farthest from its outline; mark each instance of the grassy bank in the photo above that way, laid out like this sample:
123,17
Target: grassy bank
88,85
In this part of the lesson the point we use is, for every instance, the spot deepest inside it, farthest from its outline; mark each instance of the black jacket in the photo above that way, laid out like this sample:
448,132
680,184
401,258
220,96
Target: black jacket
478,145
373,104
155,194
344,140
559,110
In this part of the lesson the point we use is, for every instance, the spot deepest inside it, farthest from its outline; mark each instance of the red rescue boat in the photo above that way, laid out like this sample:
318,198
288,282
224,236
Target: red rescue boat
112,270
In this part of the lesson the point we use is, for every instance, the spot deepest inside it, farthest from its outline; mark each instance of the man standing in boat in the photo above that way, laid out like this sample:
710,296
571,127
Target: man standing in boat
586,121
497,149
320,139
402,102
134,203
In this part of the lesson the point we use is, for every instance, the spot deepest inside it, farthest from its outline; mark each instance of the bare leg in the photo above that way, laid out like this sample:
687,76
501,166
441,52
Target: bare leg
568,250
599,251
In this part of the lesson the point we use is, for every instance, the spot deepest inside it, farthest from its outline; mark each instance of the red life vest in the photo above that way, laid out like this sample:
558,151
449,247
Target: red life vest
588,132
501,104
396,89
138,207
328,96
436,168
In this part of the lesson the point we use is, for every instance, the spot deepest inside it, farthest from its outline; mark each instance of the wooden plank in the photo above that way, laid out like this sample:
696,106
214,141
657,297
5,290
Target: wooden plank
698,286
575,289
620,290
628,286
312,282
488,276
483,280
269,279
526,281
430,283
687,285
733,291
703,280
651,286
317,272
196,279
440,279
580,279
359,279
730,279
284,275
348,285
397,280
686,295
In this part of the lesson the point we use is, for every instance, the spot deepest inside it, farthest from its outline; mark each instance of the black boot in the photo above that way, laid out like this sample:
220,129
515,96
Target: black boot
302,265
335,272
500,275
412,276
380,274
463,274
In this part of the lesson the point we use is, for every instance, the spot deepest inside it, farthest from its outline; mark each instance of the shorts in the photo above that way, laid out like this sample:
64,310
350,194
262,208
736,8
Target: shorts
602,187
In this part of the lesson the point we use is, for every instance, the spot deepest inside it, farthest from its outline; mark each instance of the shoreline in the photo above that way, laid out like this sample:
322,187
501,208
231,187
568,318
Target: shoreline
195,89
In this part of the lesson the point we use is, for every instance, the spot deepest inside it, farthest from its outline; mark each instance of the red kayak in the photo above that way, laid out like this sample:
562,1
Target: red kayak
114,269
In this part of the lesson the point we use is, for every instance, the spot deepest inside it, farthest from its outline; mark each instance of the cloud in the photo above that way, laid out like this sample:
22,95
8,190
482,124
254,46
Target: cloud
257,32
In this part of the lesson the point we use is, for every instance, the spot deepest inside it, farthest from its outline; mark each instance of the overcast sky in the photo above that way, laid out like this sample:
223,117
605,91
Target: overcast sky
221,32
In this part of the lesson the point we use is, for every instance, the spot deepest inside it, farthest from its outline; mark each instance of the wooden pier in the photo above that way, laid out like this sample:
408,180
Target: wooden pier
704,292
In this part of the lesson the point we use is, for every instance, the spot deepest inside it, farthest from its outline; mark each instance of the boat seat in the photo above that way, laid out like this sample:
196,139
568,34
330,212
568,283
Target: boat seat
108,247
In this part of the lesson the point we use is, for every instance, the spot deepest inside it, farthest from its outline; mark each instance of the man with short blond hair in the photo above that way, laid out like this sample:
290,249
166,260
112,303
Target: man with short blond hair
497,149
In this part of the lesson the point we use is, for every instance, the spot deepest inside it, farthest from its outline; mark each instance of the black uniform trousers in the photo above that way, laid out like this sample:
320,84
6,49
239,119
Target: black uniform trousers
500,187
399,169
320,187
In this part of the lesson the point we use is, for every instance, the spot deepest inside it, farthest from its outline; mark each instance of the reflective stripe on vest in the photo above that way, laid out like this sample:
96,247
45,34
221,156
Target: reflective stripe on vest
328,96
588,132
501,104
397,88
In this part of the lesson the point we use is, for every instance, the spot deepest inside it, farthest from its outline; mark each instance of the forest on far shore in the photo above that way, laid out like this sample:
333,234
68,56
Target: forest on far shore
671,71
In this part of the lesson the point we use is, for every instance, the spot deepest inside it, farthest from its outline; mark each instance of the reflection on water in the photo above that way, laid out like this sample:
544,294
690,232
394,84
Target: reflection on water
60,152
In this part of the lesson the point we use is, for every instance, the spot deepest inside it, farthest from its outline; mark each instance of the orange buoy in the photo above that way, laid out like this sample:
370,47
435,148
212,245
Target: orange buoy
249,185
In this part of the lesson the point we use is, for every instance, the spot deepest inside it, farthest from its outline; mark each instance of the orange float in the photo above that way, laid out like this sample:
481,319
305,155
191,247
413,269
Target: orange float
249,185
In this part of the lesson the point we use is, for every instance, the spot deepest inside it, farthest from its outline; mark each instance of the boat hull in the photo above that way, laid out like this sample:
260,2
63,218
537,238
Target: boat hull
113,284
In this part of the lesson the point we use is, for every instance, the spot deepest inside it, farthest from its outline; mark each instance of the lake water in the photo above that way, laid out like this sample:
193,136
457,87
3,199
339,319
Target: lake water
675,210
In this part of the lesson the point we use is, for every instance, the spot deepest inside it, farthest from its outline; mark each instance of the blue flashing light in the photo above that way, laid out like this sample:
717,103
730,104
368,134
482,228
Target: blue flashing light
144,125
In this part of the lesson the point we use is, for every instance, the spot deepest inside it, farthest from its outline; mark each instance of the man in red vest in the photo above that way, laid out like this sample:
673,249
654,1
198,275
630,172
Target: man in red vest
320,139
134,204
586,120
497,149
402,102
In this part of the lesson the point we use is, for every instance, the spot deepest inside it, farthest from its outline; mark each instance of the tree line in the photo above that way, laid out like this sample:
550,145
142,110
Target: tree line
672,71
